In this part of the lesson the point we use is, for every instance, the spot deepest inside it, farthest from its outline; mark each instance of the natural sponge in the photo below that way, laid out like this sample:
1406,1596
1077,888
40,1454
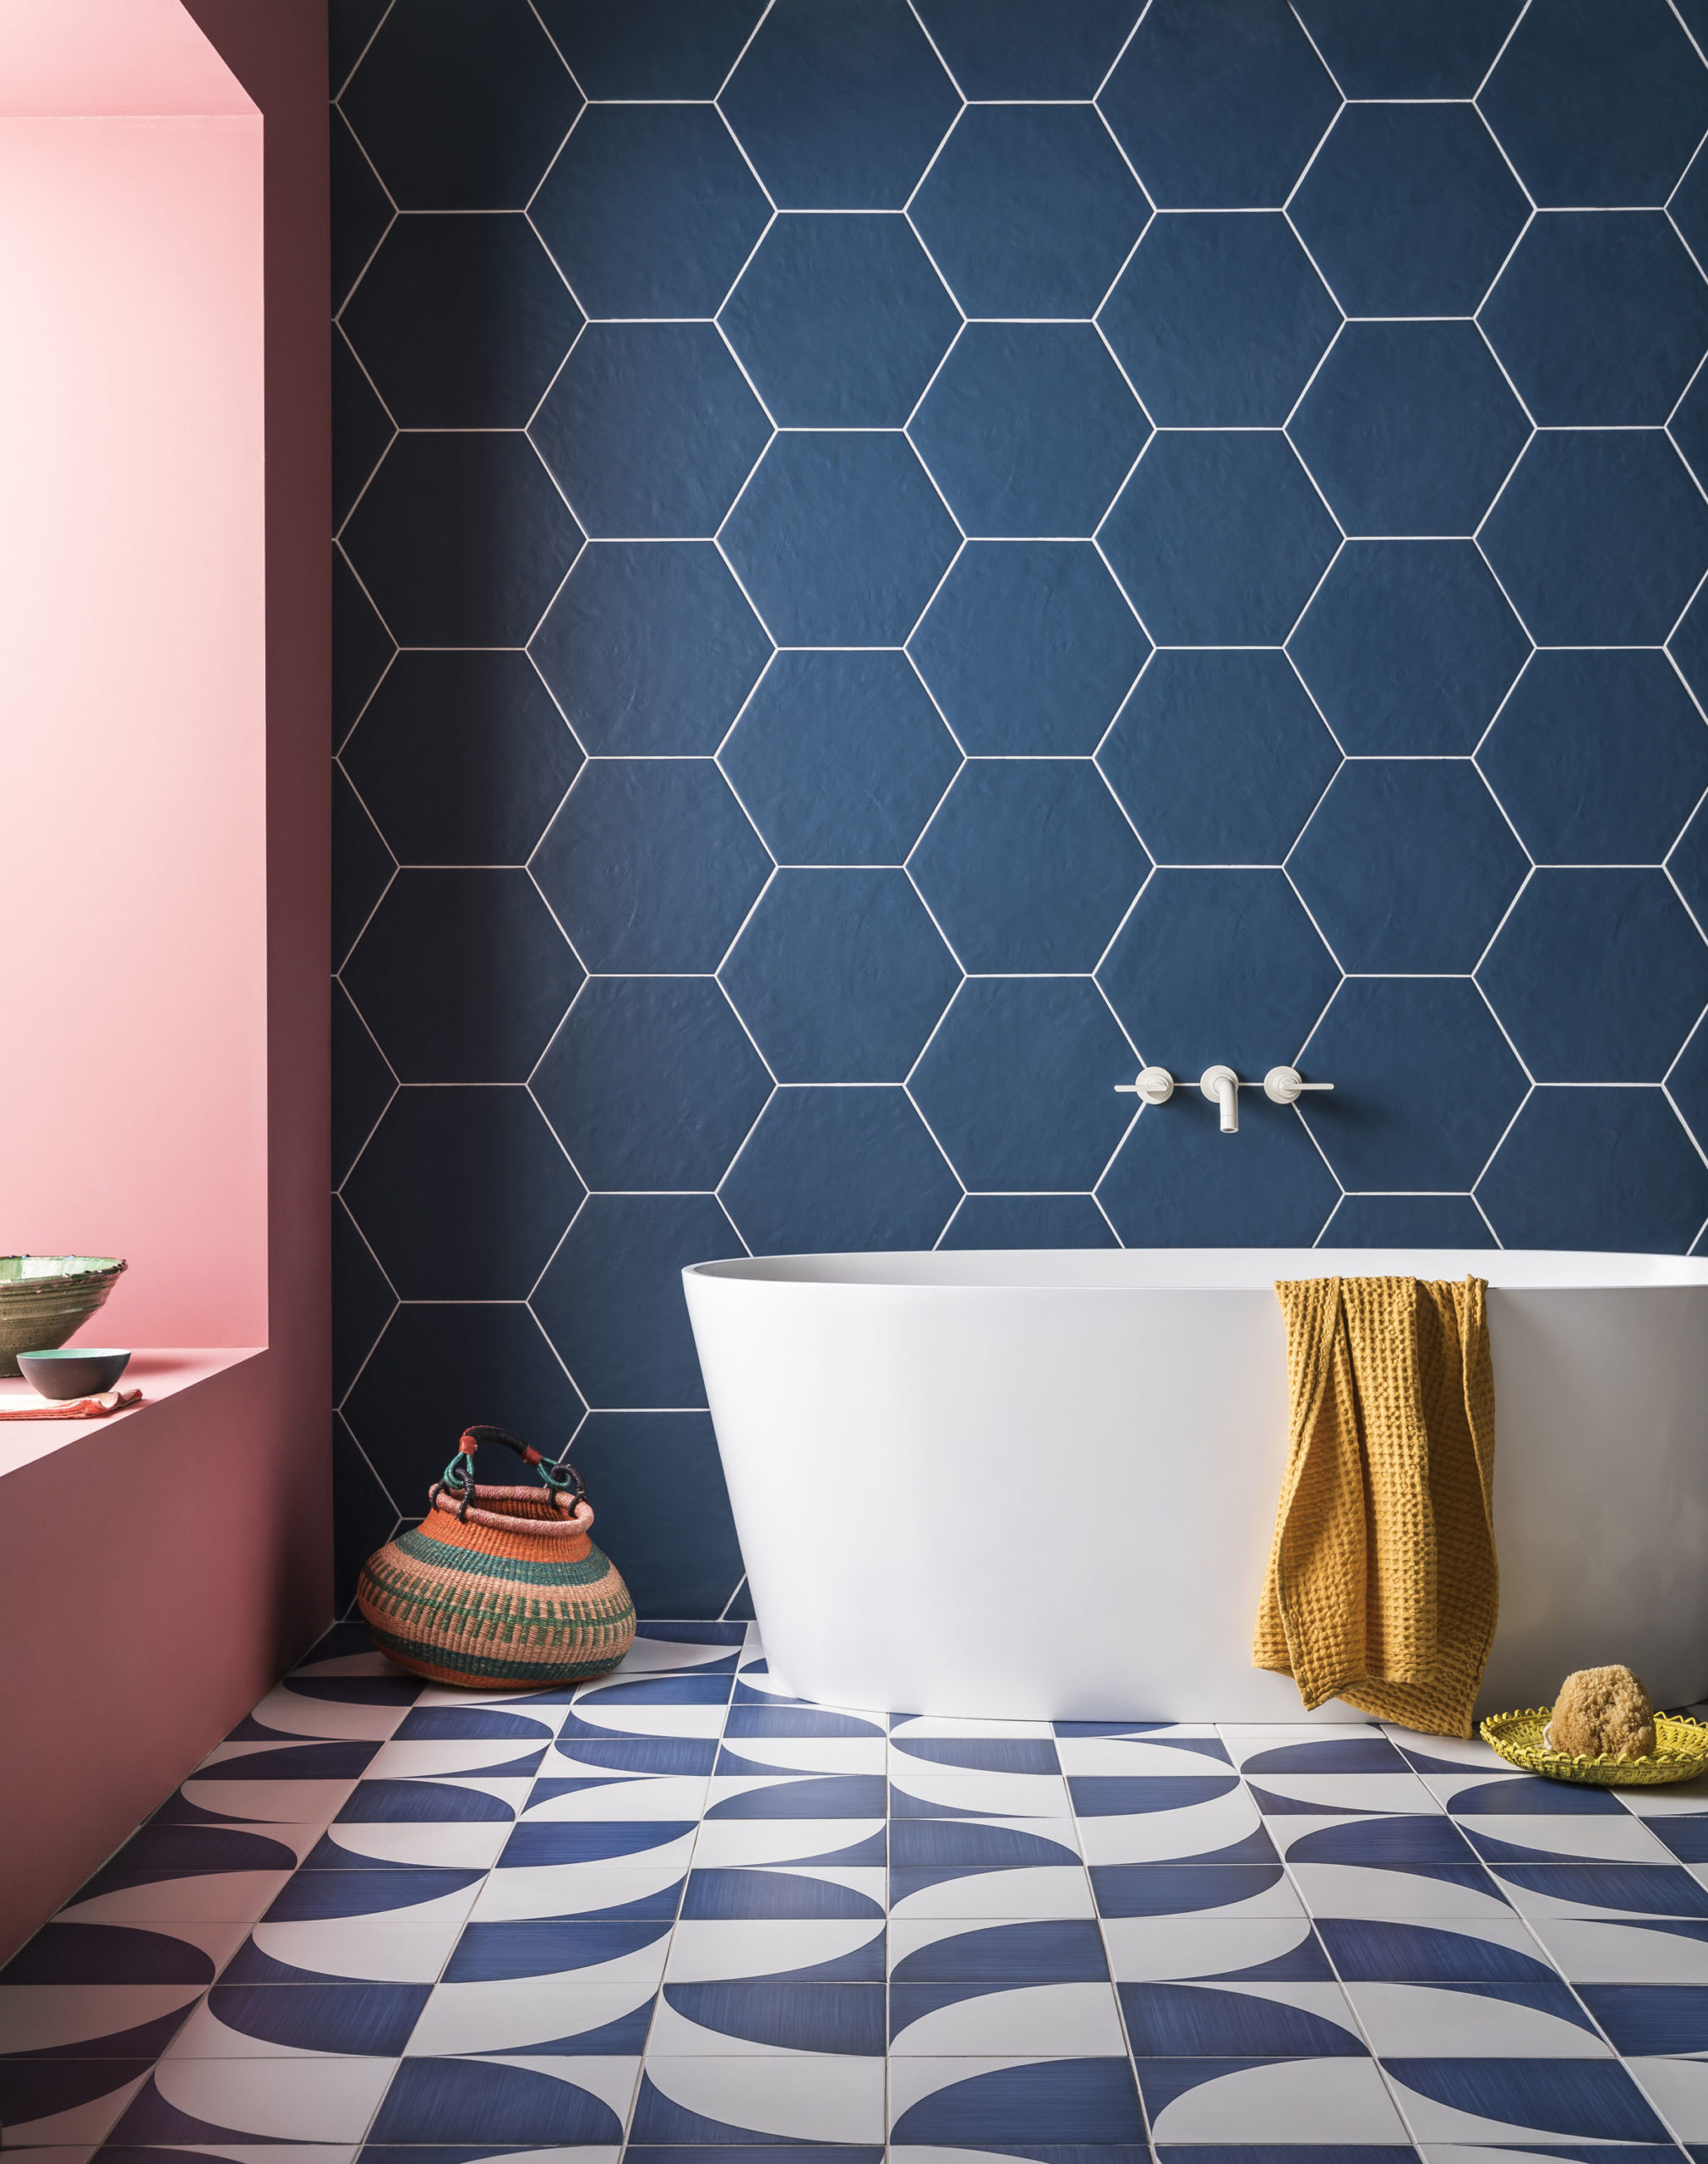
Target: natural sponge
1604,1712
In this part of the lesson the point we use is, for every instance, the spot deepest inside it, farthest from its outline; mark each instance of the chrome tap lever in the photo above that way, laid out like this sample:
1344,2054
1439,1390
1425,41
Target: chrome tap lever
1282,1085
1221,1085
1154,1085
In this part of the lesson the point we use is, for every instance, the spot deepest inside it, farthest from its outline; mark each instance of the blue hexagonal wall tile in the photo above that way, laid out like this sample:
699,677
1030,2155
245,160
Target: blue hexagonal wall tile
461,108
1219,320
1180,1183
1028,1220
1408,646
1597,1168
840,539
1029,210
360,430
651,866
432,1359
461,539
1218,539
611,1298
1029,866
840,104
361,1082
1408,866
1598,107
1598,758
1021,49
363,1515
1029,646
1018,1083
1388,1123
463,1194
847,1169
362,866
1407,1221
840,321
651,1082
350,24
1688,207
361,209
1688,864
462,757
1598,976
1029,430
1410,428
361,1311
840,758
1219,103
362,646
650,209
1409,210
462,975
651,429
1217,968
650,647
663,1507
840,975
1688,425
1427,49
1219,758
1601,319
1687,1085
1600,538
651,48
1689,645
461,322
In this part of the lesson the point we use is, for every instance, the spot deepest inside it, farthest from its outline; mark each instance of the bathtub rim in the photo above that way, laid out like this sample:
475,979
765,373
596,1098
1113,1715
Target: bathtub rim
1125,1271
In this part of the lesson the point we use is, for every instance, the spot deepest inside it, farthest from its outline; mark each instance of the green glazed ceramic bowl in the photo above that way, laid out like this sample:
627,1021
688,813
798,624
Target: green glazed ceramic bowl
44,1298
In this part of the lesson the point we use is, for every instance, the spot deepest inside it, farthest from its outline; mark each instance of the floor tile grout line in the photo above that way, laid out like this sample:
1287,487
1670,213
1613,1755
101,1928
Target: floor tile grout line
1108,1957
1382,2072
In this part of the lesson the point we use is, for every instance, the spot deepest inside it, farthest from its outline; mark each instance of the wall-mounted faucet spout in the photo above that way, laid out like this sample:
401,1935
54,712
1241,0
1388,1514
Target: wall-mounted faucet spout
1221,1085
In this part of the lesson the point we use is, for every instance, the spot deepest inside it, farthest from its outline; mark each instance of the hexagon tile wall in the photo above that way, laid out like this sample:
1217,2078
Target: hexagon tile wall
898,558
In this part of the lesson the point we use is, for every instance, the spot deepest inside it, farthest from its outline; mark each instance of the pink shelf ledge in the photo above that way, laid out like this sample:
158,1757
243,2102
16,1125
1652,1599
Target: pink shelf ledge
161,1373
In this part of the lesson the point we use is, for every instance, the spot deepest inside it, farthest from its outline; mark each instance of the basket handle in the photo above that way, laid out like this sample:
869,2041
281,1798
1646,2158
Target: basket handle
558,1474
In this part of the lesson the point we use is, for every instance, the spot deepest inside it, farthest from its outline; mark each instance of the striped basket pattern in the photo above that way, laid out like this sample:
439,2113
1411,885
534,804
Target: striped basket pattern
498,1589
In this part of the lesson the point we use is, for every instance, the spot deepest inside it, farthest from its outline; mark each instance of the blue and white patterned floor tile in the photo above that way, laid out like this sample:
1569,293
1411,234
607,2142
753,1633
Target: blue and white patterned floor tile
1249,2100
1521,2099
680,1916
1656,1950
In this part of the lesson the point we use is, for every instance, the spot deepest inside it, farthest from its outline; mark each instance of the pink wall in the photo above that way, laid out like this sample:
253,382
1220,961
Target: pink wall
112,56
165,616
131,763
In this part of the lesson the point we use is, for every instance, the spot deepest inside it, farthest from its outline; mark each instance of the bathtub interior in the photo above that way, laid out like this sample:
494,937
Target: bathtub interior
1117,1269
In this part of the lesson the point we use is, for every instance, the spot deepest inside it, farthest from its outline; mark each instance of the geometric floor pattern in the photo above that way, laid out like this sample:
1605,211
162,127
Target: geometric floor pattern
676,1915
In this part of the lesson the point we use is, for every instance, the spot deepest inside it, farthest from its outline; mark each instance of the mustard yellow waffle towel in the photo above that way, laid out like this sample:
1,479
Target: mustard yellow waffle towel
1383,1587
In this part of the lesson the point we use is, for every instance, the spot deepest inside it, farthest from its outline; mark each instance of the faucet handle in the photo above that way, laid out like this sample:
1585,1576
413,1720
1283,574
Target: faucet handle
1154,1085
1282,1085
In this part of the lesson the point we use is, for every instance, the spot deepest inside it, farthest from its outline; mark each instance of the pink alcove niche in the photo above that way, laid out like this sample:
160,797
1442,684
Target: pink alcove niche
164,735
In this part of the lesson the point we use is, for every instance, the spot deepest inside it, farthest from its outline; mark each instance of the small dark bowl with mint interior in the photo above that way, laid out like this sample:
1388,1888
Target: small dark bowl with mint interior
73,1370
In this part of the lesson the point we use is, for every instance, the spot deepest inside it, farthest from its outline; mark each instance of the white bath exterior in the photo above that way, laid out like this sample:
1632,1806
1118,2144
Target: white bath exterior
1042,1484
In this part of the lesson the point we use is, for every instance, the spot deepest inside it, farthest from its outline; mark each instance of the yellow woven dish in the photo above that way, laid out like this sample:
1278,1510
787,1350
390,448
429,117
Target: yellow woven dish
1681,1751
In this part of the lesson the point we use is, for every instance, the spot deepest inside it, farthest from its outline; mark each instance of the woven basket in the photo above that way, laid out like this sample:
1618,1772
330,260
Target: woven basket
499,1588
1681,1752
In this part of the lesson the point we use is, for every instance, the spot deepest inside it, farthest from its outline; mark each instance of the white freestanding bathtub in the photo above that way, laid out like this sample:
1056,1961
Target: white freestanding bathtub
1041,1484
